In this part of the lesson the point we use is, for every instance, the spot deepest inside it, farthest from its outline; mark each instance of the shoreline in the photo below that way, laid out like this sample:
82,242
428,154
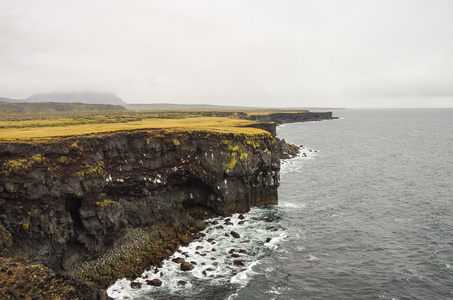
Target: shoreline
82,201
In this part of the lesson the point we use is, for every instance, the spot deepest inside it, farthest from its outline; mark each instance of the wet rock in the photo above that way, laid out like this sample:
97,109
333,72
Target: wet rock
219,227
193,263
241,217
178,260
268,240
239,262
215,223
235,255
199,247
241,222
154,282
184,239
210,240
182,283
186,266
228,223
243,251
232,251
213,249
136,285
235,234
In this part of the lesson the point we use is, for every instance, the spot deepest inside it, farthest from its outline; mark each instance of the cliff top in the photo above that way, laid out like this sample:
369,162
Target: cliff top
61,127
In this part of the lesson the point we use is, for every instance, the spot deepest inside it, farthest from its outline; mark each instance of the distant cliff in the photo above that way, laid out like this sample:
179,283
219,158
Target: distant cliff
291,117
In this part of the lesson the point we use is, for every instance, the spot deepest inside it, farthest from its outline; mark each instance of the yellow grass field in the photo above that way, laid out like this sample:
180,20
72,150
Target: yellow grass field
210,124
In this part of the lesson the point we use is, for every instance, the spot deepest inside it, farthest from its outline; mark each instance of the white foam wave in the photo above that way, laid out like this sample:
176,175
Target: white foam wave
218,258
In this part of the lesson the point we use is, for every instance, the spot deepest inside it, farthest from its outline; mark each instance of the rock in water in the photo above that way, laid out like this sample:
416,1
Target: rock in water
186,266
154,282
136,285
235,234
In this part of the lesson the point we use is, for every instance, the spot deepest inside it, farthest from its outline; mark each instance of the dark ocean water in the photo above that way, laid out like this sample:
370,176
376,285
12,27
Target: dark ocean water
368,214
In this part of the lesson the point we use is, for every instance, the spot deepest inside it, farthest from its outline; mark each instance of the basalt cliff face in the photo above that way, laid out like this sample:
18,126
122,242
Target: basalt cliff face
108,206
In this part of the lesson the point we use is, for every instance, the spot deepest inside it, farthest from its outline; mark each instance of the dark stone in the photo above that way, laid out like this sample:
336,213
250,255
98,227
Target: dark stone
241,217
154,282
182,283
178,260
136,285
185,266
235,234
239,262
268,240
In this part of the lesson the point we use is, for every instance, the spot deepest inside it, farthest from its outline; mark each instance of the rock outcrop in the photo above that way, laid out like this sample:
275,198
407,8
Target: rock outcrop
292,117
108,206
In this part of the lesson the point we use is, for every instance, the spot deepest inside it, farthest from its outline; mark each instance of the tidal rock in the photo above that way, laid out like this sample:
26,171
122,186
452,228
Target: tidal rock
239,262
235,234
154,282
186,266
136,285
182,283
241,217
178,260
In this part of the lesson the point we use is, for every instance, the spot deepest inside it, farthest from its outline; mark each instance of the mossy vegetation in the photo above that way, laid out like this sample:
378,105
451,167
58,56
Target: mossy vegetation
96,168
106,203
14,166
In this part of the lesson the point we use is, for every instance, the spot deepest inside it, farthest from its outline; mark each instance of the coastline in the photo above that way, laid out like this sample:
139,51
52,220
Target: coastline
107,211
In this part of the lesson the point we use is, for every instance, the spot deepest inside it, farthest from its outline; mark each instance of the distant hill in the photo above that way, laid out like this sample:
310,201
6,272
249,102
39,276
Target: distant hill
88,97
3,99
54,108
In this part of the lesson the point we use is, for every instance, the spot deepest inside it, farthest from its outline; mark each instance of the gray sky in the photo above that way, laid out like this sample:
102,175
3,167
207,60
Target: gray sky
286,53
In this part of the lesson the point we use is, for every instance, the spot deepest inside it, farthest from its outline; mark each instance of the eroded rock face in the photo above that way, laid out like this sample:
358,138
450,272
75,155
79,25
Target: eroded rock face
67,201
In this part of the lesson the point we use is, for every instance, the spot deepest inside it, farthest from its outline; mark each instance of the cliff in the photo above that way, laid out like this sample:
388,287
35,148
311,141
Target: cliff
103,207
291,117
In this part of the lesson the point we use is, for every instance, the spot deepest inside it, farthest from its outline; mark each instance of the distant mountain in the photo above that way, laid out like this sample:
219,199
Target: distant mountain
88,97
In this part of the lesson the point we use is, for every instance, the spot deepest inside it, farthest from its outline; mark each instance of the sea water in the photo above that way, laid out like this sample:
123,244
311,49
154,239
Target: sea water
365,213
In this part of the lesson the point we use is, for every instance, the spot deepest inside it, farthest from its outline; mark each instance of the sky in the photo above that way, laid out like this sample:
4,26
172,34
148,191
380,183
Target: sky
286,53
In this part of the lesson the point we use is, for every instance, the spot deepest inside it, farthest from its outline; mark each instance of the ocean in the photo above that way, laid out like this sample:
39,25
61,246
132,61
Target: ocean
366,213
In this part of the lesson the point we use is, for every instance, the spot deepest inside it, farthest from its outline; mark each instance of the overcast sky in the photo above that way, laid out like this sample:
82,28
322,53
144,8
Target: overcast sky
285,53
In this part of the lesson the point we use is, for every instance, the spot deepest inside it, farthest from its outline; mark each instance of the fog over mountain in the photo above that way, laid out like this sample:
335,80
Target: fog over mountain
87,97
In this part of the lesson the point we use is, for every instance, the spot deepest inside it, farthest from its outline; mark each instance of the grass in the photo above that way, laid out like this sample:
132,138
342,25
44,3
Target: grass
50,129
